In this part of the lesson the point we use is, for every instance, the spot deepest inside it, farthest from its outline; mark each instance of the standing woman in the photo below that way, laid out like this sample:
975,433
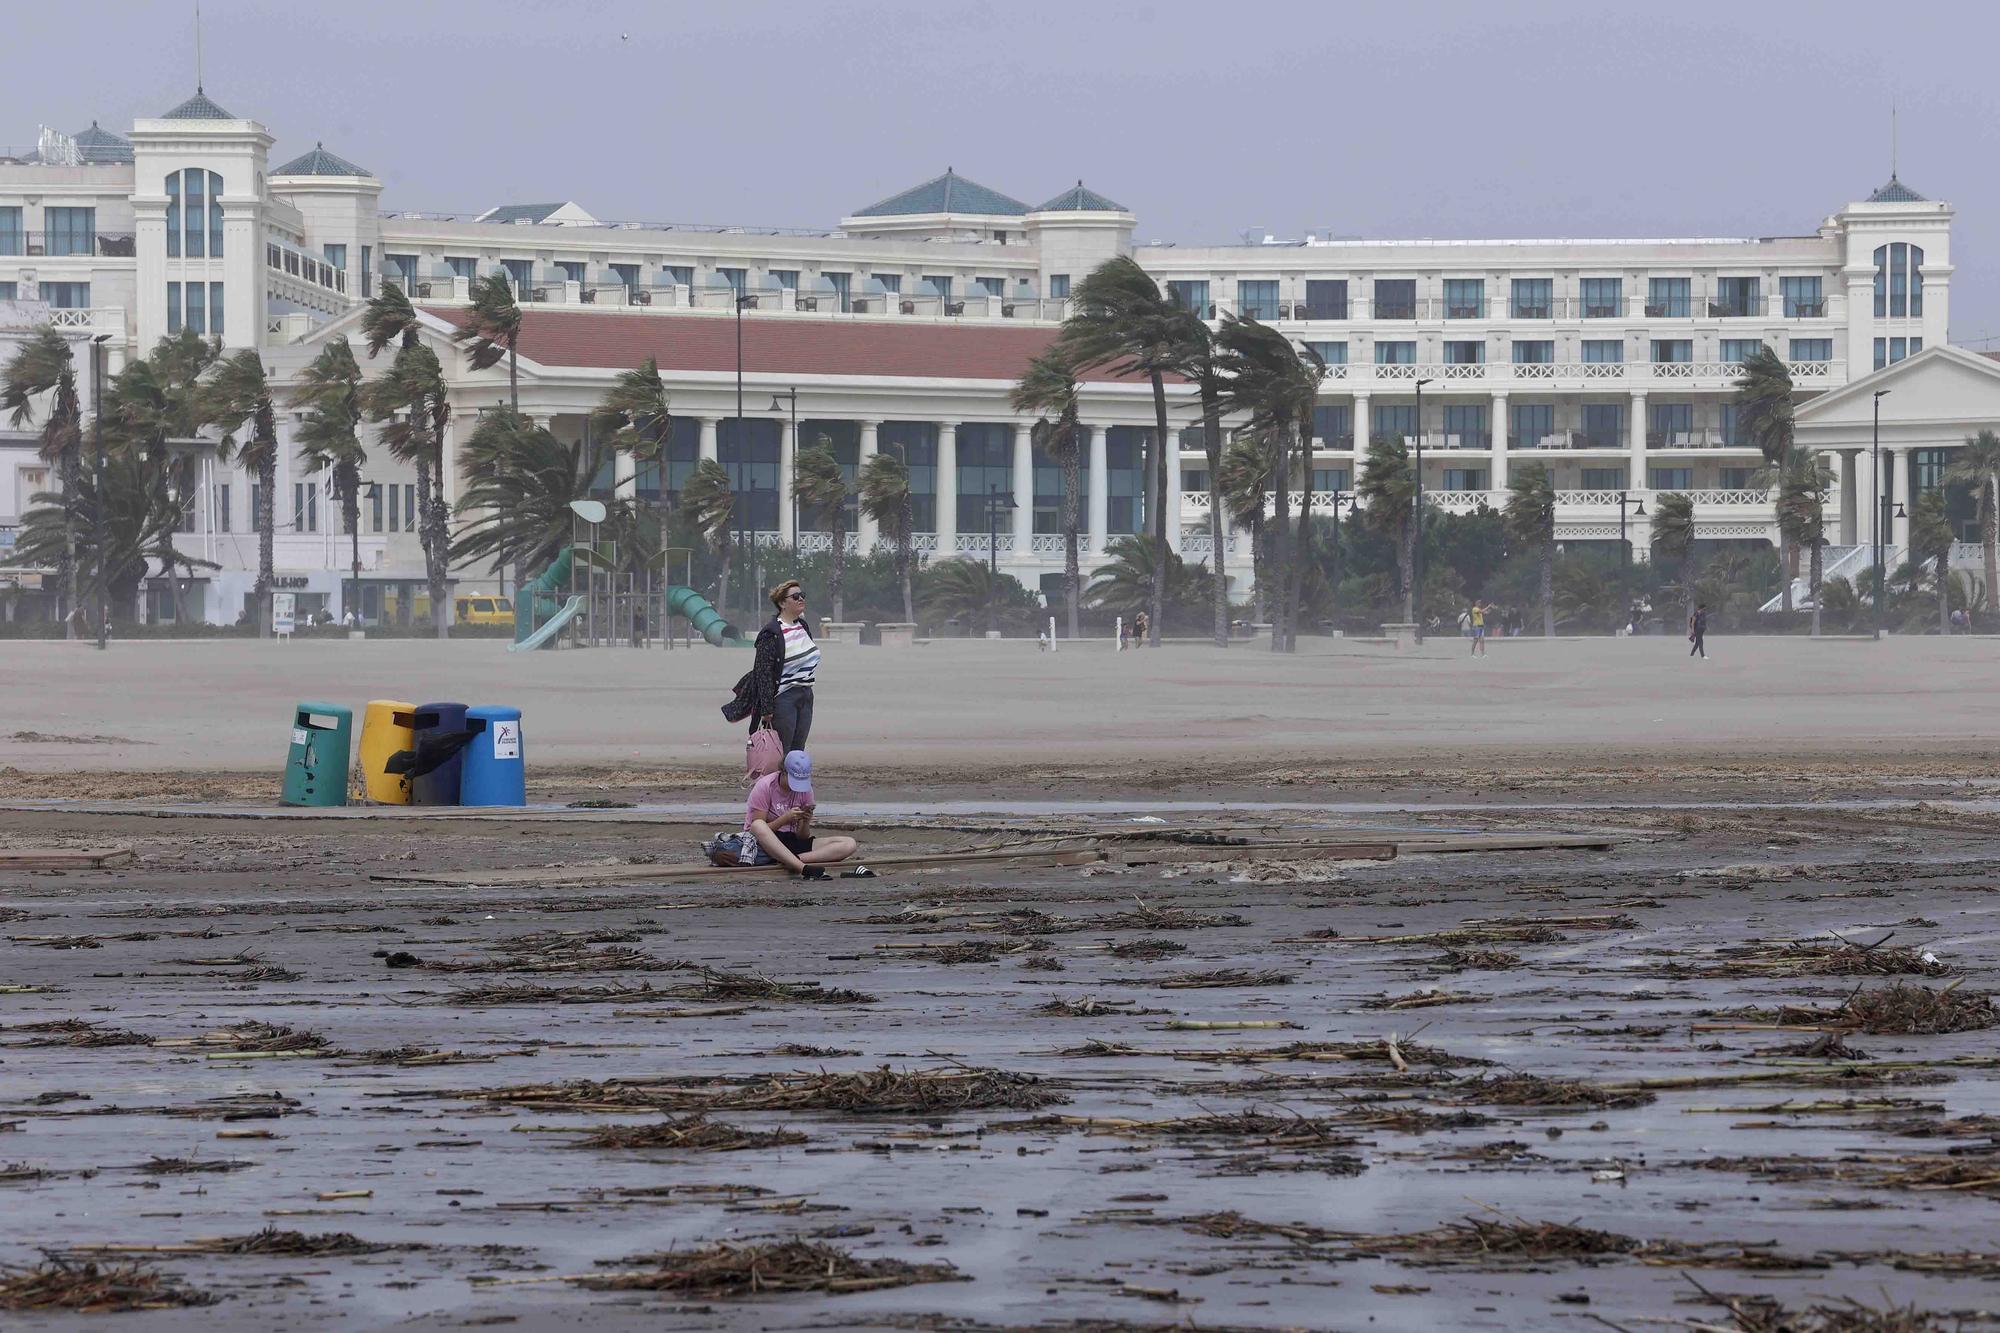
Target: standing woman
787,663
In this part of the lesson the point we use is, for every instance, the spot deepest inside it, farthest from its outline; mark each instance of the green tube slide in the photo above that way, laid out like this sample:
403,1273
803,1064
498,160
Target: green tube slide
707,621
535,601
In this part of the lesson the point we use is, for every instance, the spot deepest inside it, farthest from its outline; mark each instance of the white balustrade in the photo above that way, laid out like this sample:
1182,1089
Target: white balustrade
977,543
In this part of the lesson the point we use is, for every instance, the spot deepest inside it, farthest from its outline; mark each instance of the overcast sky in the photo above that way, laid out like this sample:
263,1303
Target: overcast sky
1405,119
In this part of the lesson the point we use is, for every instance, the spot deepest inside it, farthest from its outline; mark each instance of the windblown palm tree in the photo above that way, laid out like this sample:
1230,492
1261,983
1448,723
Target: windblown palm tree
153,402
43,364
1673,534
329,391
520,481
492,329
1388,490
885,498
710,502
1123,323
1125,586
1203,366
822,490
1240,486
969,590
414,410
638,416
140,522
1802,496
1531,522
1049,387
236,400
1978,463
1278,387
1764,408
1931,540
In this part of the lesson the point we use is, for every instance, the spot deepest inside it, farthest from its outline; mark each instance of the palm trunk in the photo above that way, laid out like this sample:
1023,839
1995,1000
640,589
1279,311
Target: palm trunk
1817,567
350,509
1406,564
1071,518
72,477
903,562
1788,558
514,377
722,582
1944,590
1548,591
838,523
1211,427
1275,559
1157,603
267,530
1990,531
1302,557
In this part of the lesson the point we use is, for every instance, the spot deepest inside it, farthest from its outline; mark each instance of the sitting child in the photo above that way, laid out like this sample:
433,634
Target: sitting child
779,816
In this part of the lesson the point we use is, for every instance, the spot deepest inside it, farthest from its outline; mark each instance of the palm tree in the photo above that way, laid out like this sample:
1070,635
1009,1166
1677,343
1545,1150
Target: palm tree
1049,387
885,498
1124,324
414,409
137,526
1673,533
1240,485
236,399
1931,540
822,491
520,482
710,501
43,364
492,328
1802,495
1203,366
968,589
1764,409
1978,462
152,402
1388,490
1531,521
638,416
329,391
1278,386
1125,586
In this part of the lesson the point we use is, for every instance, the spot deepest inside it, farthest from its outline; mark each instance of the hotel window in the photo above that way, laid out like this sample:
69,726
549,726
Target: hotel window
336,255
292,263
174,215
461,266
1469,353
375,506
1672,350
1333,425
1899,280
736,279
892,283
173,307
71,295
572,269
786,278
985,472
1394,421
519,273
1395,298
1327,480
842,284
1733,433
1125,495
940,285
1888,351
1670,478
1602,297
627,275
368,272
409,506
1049,487
1812,349
1257,299
214,307
1465,426
12,238
402,270
1603,478
218,506
1802,298
10,291
1670,423
1326,298
1531,298
1532,423
1465,479
1534,353
916,444
1603,351
681,275
1059,286
305,506
1333,354
71,231
194,212
1388,353
1604,425
1191,295
1734,478
1735,297
1464,298
987,286
1667,298
196,320
1735,351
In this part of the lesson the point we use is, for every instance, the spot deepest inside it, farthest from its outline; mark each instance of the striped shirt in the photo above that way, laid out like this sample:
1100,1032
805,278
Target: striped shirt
801,658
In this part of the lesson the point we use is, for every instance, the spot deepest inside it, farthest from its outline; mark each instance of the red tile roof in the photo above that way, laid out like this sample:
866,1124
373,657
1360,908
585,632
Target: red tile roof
784,345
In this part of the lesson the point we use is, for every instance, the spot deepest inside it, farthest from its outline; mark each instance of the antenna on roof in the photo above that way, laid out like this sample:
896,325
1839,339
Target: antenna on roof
1893,145
197,46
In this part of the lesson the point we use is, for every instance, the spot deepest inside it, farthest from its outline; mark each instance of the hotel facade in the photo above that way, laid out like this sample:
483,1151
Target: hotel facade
903,328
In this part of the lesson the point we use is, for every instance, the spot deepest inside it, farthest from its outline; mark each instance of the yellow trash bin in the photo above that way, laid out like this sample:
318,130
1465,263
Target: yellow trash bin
387,728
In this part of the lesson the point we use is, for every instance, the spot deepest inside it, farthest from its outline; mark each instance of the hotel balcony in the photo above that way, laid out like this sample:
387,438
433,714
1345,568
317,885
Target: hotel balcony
1504,308
61,244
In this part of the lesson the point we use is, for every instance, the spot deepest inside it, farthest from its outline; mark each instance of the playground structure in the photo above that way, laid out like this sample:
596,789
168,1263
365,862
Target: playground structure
584,600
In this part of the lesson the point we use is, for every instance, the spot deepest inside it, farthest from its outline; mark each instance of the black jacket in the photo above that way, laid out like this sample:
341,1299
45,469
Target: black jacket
756,693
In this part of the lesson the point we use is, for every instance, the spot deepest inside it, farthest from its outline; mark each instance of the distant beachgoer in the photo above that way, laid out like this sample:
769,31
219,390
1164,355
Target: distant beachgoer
1477,615
1140,624
1698,632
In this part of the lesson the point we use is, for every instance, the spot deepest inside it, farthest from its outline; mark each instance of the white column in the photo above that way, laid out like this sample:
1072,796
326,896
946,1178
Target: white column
788,453
1096,441
707,447
1024,491
1362,432
1496,422
869,533
624,475
1897,461
1851,499
1172,499
1635,431
947,490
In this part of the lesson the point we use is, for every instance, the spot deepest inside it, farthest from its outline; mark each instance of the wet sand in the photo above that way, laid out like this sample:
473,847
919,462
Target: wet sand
1785,1185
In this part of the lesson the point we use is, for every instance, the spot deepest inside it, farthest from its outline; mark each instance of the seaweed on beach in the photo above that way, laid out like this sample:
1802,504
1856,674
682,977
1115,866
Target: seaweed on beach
691,1133
783,1267
87,1288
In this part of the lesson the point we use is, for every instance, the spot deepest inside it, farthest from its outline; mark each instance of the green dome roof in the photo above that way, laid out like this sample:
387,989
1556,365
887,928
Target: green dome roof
949,193
198,107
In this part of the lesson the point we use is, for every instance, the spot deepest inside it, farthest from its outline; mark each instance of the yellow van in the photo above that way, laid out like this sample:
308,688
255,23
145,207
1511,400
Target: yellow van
485,611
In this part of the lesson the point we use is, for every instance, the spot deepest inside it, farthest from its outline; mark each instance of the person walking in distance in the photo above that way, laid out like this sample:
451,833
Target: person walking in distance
786,668
1478,628
1698,631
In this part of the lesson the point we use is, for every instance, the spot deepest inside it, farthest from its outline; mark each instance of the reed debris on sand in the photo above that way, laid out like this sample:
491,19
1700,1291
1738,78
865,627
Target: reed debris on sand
88,1289
1426,998
1478,960
75,1034
270,1242
1532,1090
784,1267
1763,1314
1839,958
1221,977
1089,1007
1144,917
878,1091
690,1133
1902,1008
714,986
253,1036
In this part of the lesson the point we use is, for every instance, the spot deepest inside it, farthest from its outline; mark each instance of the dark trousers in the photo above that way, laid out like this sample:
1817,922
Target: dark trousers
794,718
1700,645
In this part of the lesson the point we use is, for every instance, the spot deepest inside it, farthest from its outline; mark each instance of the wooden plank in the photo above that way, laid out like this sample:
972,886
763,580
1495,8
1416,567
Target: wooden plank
64,858
1179,853
1529,842
635,874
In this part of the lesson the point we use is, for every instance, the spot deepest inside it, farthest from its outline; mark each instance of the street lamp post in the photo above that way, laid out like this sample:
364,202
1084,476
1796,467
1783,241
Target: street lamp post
1638,511
1340,498
1881,508
371,491
97,471
792,394
1417,524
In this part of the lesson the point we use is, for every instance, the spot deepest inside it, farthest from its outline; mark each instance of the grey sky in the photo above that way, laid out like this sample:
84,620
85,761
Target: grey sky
1404,119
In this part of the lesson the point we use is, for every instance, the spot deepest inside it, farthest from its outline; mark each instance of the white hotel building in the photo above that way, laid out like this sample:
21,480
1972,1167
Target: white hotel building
903,328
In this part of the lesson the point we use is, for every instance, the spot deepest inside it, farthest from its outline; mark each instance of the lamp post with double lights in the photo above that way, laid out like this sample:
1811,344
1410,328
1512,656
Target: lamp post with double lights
1417,524
1881,508
1638,511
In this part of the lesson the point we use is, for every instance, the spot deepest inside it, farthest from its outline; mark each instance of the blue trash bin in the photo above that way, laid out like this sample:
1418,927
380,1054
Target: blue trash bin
435,726
495,770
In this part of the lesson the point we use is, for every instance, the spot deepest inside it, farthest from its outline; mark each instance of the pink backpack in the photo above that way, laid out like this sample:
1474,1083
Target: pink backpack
762,754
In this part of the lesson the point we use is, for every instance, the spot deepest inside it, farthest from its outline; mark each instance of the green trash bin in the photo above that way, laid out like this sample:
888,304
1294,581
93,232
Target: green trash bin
316,768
